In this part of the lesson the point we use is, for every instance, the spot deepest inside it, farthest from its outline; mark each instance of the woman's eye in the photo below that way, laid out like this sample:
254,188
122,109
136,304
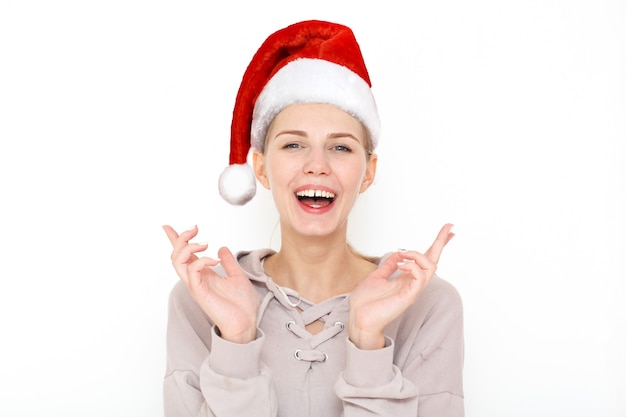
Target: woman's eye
342,148
291,146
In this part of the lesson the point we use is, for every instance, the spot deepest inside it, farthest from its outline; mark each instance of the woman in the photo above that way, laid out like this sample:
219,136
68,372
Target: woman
314,329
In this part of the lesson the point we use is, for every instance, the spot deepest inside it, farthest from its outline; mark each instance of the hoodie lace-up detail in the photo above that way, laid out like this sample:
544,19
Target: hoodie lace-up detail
306,314
313,355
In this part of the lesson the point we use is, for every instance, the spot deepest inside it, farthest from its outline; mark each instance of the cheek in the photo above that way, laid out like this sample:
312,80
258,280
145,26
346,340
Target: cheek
280,170
352,174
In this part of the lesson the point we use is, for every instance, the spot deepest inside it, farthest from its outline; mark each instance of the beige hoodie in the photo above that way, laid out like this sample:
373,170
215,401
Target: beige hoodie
289,372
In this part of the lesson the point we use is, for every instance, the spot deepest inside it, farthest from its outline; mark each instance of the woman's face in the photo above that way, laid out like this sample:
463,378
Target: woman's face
316,164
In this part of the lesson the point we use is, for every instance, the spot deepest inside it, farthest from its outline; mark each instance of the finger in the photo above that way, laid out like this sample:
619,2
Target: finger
183,254
444,236
189,234
171,233
196,269
422,268
181,240
201,263
414,257
186,254
228,261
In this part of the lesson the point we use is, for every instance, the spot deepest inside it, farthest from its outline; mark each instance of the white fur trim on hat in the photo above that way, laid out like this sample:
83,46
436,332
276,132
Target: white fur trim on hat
307,80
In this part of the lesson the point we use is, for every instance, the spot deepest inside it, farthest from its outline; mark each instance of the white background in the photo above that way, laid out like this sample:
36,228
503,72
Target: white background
507,118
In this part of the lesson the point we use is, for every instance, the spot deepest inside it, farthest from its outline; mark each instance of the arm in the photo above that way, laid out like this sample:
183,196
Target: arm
213,345
422,375
372,385
383,379
207,375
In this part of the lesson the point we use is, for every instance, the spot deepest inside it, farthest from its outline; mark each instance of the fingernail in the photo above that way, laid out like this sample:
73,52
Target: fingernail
404,260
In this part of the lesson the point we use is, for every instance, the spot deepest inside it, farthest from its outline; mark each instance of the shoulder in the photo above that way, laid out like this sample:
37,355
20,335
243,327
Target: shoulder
180,298
440,291
434,319
183,307
440,302
179,294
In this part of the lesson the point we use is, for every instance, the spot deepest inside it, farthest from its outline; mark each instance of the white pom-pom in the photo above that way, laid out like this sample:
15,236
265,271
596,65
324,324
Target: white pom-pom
237,184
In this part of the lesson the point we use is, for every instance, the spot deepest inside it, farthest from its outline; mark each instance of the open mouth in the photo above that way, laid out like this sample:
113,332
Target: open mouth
316,198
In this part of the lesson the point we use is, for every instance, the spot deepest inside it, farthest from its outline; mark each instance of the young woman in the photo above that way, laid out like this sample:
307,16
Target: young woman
314,329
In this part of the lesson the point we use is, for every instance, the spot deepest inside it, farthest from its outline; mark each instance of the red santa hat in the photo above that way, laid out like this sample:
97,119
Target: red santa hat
307,62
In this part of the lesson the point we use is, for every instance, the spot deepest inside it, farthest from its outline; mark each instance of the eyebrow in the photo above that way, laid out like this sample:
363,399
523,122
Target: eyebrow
291,132
302,133
343,135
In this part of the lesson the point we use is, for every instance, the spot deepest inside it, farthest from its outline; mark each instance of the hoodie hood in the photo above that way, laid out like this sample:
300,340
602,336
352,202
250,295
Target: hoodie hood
252,263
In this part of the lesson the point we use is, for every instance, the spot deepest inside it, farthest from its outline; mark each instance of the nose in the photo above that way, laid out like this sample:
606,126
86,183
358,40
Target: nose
316,162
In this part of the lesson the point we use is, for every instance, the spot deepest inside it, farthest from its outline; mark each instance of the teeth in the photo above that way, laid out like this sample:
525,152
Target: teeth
315,194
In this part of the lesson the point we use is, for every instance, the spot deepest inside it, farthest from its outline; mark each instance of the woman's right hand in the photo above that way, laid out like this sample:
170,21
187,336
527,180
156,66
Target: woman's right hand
231,302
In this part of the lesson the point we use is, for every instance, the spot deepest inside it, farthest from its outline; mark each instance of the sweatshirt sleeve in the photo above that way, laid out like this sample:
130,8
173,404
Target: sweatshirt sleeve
207,375
417,375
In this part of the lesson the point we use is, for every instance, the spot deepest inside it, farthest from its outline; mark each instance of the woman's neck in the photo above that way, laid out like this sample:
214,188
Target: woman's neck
317,270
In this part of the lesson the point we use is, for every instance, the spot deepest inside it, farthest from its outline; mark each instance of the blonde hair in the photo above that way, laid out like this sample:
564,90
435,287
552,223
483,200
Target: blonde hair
368,258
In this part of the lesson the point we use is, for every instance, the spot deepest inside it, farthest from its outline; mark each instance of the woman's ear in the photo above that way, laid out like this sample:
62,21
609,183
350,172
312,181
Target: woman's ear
258,164
370,173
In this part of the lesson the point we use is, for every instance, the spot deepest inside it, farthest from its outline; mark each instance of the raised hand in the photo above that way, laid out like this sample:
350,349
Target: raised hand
377,300
231,302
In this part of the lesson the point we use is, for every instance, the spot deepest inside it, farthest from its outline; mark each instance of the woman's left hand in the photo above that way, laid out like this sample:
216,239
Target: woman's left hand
377,300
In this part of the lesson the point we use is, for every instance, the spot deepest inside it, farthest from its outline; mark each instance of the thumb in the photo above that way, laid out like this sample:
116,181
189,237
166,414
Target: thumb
228,261
388,267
